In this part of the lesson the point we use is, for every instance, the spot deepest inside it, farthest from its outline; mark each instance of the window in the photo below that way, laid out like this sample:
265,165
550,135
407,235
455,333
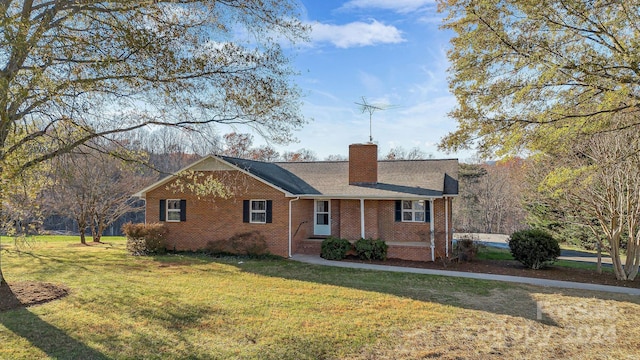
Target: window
173,210
322,212
258,211
415,211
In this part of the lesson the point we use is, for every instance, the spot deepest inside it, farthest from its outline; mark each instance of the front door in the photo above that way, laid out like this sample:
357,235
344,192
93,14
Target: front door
322,216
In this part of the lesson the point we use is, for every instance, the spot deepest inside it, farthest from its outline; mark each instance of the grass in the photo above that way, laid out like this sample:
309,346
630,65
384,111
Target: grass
492,253
192,306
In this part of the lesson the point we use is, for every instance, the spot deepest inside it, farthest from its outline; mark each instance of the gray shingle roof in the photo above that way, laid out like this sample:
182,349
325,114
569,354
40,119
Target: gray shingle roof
396,178
273,174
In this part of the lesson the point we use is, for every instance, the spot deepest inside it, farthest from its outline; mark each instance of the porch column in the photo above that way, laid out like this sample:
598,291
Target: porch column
362,218
446,226
432,228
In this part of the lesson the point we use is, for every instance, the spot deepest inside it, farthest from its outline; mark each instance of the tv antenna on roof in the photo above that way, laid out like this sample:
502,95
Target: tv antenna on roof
367,107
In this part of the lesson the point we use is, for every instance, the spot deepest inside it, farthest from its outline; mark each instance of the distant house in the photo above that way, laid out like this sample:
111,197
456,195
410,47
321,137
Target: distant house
406,203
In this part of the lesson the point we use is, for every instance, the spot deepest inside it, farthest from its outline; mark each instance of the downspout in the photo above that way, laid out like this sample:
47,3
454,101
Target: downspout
446,226
290,235
432,228
362,218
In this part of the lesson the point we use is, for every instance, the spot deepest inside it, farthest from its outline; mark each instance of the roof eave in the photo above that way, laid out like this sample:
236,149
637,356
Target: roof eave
142,193
367,197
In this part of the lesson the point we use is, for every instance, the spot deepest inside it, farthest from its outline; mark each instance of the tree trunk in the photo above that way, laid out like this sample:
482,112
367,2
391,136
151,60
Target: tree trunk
94,233
599,264
82,228
615,256
98,230
633,256
1,276
97,227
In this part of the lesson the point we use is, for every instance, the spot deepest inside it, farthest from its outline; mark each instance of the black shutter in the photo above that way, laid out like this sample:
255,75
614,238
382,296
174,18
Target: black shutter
427,211
269,211
163,210
245,211
398,210
183,210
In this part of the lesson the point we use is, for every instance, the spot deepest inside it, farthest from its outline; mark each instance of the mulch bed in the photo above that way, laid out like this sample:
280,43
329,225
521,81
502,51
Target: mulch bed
28,293
513,268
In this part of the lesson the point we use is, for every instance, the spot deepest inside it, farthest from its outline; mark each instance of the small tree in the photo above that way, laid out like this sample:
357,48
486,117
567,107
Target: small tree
94,188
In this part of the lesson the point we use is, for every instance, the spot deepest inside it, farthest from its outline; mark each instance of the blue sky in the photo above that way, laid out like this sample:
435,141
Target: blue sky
391,52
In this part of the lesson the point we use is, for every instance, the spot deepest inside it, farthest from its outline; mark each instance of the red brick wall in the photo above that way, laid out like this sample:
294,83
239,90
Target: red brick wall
413,253
371,219
220,219
301,222
363,164
380,223
335,218
350,219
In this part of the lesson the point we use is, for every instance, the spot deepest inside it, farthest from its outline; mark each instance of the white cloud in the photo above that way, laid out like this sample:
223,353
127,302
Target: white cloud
356,34
401,6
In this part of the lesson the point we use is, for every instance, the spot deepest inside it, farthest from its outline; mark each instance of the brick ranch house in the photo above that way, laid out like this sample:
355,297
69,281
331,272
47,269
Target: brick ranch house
406,203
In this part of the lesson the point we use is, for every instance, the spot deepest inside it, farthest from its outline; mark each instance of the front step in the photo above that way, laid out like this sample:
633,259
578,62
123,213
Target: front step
309,247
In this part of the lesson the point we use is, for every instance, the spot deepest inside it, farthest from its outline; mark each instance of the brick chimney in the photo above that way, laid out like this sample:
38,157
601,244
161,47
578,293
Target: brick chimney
363,164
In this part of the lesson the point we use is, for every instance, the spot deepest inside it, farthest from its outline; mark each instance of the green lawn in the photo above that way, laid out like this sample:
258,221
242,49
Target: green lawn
191,306
492,253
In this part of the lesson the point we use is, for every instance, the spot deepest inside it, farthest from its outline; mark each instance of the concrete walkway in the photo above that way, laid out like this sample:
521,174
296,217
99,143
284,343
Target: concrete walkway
317,260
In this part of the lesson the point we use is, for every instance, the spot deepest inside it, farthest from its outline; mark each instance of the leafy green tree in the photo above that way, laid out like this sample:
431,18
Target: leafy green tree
536,75
101,67
548,78
111,66
600,185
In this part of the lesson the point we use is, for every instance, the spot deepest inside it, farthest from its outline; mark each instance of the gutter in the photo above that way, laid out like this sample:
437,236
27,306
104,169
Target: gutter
290,235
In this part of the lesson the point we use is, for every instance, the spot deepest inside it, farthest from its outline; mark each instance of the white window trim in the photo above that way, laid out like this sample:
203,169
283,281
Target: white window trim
316,212
251,212
414,211
322,229
178,210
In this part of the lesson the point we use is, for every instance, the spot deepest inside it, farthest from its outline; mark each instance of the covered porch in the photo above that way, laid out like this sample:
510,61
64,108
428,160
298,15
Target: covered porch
423,238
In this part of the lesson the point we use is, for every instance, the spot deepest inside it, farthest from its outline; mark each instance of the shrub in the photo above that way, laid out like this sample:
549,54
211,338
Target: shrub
534,248
145,239
251,243
466,249
370,249
334,248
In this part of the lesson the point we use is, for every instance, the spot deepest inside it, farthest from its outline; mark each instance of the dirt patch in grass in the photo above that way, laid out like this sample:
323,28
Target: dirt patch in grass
513,268
28,293
89,243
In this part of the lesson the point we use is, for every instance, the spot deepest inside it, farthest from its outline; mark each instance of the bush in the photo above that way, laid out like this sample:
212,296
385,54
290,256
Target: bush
251,243
534,248
145,239
466,249
334,248
370,249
